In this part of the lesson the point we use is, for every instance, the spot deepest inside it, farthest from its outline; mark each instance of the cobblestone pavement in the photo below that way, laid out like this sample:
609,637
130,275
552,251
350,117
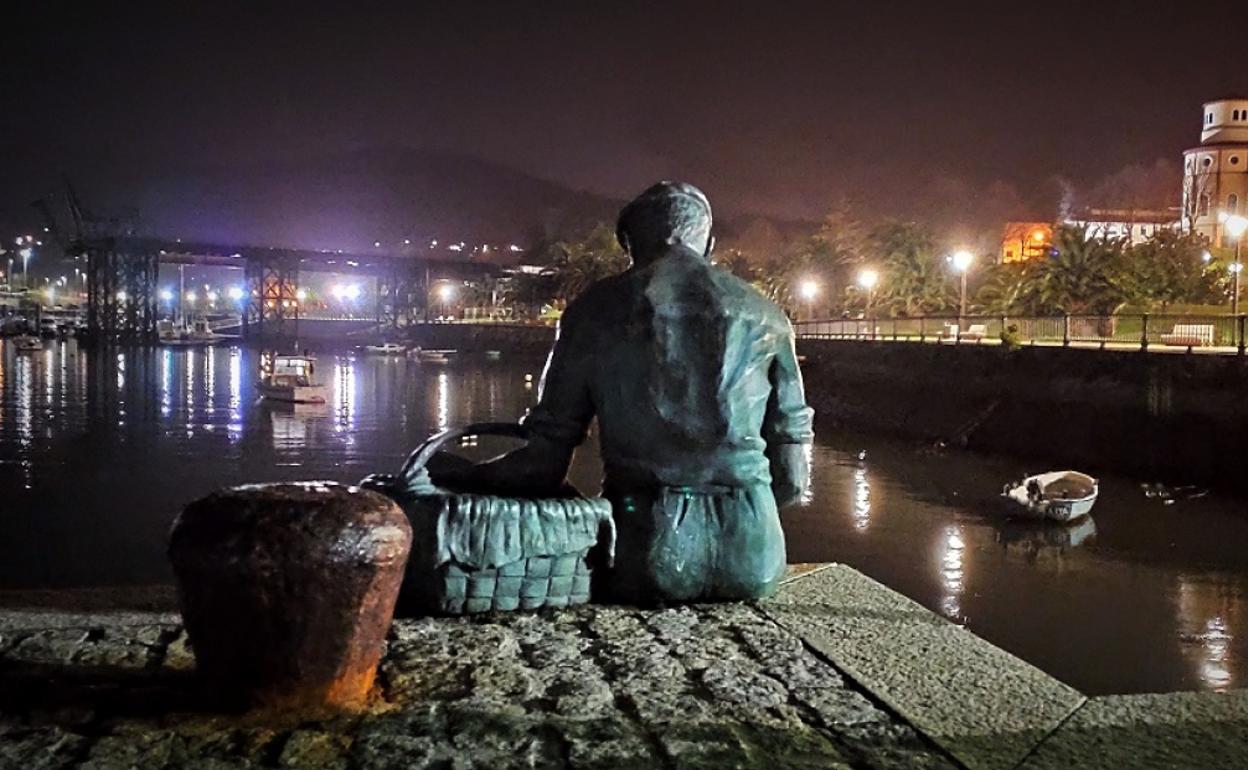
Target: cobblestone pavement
595,687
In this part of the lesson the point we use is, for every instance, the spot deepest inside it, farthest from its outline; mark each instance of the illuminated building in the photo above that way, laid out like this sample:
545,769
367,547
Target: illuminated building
1024,241
1215,173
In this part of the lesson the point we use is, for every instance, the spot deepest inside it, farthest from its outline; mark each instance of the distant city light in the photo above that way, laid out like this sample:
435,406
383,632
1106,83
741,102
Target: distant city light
191,297
407,241
868,278
235,293
346,291
301,295
808,288
376,244
446,293
25,253
456,247
166,295
962,260
212,296
121,296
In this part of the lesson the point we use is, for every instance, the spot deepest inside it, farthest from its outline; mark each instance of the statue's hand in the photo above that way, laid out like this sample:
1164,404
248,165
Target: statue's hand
790,472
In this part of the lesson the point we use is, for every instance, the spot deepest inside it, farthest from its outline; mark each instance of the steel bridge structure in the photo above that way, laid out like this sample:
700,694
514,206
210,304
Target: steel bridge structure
122,273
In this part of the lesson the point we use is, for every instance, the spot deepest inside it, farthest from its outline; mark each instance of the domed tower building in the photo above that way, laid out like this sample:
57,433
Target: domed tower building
1215,173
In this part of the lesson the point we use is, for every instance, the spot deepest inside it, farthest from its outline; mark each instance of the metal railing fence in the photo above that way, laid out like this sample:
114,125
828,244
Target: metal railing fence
1142,331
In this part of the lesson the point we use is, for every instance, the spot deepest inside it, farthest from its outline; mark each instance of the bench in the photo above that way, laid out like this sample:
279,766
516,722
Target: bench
973,332
1189,335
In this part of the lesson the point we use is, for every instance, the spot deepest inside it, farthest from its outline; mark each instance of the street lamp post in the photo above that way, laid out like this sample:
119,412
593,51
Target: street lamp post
809,289
1235,227
962,263
867,279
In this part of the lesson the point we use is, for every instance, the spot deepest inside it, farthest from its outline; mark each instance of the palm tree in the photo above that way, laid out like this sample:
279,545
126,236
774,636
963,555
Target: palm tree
1080,275
915,279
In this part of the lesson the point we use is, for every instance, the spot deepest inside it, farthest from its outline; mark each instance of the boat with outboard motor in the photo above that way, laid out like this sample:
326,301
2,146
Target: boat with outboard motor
291,379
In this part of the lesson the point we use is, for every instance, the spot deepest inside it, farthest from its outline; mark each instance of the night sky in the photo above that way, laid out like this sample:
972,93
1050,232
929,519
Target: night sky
779,108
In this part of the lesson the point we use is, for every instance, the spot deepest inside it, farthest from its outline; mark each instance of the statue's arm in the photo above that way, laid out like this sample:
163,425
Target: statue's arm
787,426
558,424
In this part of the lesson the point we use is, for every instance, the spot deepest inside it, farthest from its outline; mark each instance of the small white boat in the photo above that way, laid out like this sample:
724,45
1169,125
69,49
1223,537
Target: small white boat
433,356
1054,496
27,343
291,379
197,332
387,349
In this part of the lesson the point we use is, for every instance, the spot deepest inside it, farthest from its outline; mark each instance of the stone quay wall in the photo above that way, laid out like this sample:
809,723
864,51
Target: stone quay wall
471,337
1178,418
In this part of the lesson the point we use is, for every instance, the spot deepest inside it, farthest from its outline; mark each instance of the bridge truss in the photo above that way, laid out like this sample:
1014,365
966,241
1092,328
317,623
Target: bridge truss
121,292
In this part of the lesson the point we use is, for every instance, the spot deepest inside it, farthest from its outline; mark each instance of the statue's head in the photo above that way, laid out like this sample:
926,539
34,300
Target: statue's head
667,214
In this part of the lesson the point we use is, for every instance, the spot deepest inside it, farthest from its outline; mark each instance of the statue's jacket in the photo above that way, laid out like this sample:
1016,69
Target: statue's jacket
692,374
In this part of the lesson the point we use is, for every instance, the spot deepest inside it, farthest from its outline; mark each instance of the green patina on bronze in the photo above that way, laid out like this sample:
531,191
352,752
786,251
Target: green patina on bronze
692,376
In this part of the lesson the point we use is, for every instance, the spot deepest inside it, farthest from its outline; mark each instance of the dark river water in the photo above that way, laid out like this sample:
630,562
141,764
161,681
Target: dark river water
98,451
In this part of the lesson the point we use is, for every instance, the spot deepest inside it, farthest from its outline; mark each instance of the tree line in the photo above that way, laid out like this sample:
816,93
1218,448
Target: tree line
1080,273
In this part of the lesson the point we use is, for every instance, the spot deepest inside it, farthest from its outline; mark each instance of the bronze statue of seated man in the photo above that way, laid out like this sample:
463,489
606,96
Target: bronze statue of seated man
692,376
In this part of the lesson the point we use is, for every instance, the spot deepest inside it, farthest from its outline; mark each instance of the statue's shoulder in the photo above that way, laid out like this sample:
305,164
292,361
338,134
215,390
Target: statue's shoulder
596,302
747,297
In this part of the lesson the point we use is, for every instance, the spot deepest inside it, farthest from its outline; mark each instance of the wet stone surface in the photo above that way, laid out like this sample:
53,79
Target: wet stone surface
591,687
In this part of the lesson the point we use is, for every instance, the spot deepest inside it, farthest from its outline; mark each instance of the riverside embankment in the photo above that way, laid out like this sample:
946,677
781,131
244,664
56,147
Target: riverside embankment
1174,418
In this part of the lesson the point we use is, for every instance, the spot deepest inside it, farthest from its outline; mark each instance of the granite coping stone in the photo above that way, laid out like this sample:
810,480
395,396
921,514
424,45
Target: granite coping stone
986,707
1174,731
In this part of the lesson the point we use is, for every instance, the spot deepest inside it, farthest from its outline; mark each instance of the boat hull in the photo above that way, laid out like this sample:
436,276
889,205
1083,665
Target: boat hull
293,394
1062,509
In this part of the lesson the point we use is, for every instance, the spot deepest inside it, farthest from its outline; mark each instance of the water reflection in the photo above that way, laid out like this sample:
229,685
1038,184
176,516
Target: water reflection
235,425
24,418
166,382
1209,609
862,499
952,572
443,389
292,424
345,397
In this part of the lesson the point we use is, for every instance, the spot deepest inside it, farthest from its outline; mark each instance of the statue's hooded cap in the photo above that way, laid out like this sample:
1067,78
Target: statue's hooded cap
670,205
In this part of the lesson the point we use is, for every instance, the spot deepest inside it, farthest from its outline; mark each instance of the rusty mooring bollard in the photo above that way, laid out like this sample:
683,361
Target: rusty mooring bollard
287,591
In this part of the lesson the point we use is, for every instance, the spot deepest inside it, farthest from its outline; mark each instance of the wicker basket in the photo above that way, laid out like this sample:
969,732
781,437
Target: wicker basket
477,553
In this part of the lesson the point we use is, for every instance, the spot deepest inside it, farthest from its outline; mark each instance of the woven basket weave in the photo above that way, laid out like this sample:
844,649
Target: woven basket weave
477,553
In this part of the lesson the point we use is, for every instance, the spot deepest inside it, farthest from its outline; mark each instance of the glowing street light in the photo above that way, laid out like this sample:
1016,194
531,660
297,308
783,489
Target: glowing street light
191,297
348,291
1205,256
808,289
962,263
166,295
867,279
235,293
212,297
446,293
121,295
301,294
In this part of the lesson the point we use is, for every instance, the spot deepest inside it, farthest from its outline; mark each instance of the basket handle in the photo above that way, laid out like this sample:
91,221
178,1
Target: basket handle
416,461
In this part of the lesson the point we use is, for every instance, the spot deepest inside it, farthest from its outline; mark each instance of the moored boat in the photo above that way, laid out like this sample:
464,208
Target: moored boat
27,343
1053,496
197,332
291,379
433,356
386,349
